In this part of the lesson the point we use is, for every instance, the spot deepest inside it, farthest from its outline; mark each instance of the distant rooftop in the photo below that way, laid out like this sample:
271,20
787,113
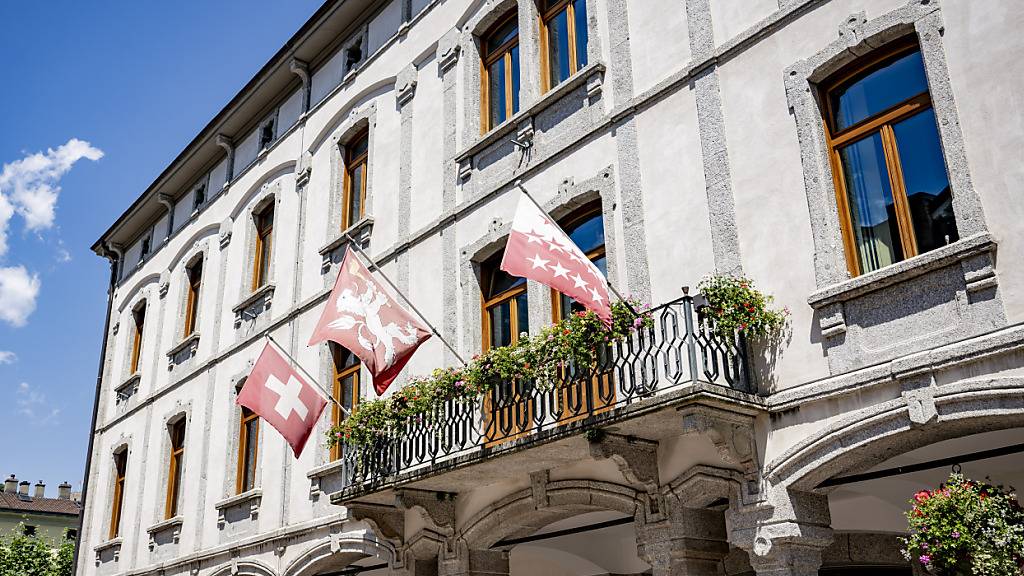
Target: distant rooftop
15,497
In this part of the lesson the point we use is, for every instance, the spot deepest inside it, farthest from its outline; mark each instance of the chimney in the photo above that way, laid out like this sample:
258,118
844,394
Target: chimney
64,491
23,487
11,484
40,489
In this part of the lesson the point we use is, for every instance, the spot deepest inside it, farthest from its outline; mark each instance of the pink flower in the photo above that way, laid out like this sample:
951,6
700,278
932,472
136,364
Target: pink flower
925,559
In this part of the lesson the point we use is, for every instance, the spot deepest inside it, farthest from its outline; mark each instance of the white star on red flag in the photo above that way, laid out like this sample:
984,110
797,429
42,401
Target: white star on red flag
562,265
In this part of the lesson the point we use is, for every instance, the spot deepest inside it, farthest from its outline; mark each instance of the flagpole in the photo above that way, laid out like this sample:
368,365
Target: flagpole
519,184
373,265
307,374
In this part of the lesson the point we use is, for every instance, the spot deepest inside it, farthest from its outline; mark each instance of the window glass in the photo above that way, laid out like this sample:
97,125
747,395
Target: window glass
496,92
872,210
501,324
580,7
558,47
501,281
504,34
878,90
927,185
514,56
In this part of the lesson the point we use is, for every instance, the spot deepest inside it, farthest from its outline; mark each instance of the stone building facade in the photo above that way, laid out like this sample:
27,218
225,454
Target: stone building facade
858,159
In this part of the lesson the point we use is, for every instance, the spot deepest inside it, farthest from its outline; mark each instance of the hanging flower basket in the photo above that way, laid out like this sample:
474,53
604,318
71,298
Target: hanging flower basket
966,528
733,303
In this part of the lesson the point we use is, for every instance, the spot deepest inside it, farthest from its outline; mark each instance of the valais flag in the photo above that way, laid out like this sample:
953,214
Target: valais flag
282,397
539,250
363,318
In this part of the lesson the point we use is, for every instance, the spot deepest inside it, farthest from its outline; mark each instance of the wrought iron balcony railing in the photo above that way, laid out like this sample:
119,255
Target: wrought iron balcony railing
679,349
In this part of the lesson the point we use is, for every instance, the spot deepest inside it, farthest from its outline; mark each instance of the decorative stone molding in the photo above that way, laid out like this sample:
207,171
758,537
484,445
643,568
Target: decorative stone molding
228,145
636,458
301,69
183,351
224,235
436,508
334,251
168,530
448,50
387,522
253,305
164,284
167,201
247,502
127,389
405,85
304,170
109,551
732,434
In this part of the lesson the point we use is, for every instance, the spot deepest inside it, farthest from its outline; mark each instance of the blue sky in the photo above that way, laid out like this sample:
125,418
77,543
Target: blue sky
98,97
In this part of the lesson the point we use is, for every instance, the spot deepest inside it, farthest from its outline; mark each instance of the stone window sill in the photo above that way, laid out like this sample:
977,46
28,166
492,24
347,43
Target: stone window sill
911,268
129,387
170,523
325,470
546,100
251,497
188,342
109,544
265,291
359,231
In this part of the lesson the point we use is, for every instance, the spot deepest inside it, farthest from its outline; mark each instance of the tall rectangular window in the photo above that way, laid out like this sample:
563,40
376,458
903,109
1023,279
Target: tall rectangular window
264,221
120,469
563,39
586,230
500,78
345,389
139,318
248,443
354,197
892,187
195,282
174,471
505,305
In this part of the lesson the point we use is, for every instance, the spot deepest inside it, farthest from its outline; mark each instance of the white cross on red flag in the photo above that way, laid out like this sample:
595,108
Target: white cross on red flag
282,397
538,249
361,316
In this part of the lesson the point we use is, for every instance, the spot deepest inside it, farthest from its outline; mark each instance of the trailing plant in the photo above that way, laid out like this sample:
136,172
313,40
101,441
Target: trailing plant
23,555
965,527
542,358
733,303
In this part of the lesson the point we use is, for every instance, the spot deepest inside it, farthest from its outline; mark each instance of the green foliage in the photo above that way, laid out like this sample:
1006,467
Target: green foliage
965,528
22,555
734,304
575,340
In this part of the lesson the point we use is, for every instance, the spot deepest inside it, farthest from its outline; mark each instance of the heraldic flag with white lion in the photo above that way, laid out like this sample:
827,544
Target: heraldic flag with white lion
361,316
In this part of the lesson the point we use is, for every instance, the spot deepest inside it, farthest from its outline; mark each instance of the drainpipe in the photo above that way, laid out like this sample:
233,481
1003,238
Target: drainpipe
114,257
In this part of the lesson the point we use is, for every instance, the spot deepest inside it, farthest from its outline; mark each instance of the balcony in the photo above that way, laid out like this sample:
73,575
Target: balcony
659,369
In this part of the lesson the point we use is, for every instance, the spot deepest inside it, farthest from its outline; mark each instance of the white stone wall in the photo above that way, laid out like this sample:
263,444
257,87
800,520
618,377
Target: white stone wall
647,123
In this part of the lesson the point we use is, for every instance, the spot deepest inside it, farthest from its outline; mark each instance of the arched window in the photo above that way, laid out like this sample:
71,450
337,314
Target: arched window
175,467
345,388
500,85
891,183
139,319
120,471
354,197
563,39
264,222
194,276
505,304
586,229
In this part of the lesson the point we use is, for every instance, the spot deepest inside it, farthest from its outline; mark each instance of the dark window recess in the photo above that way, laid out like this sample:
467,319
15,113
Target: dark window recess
353,55
267,135
29,530
199,198
145,248
71,534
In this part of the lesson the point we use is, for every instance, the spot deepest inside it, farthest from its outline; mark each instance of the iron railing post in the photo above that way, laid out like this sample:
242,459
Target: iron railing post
691,339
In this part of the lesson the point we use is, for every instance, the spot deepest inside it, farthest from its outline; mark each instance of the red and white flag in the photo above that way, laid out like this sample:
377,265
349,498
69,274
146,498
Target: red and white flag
539,250
361,316
282,397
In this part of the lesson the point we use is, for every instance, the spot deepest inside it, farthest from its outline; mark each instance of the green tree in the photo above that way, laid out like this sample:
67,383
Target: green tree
22,555
64,561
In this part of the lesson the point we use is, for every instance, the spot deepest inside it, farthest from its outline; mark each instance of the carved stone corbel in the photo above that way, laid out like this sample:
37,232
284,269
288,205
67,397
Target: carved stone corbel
730,432
436,508
387,522
636,458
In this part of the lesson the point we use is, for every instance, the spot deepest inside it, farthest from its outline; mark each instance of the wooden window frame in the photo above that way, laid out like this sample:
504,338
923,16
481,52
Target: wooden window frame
545,19
139,321
340,374
120,471
351,163
881,123
486,304
587,213
194,278
264,245
244,441
489,57
175,467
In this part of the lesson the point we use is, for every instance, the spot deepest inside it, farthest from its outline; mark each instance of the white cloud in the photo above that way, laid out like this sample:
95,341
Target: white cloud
8,357
32,404
29,187
18,292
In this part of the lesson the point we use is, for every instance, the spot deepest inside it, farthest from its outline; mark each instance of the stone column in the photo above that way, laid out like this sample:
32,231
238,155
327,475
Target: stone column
405,90
448,50
458,559
688,542
785,535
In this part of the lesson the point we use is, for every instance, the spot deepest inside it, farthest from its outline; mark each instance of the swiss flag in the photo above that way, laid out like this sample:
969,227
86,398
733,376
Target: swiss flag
538,249
282,397
361,316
